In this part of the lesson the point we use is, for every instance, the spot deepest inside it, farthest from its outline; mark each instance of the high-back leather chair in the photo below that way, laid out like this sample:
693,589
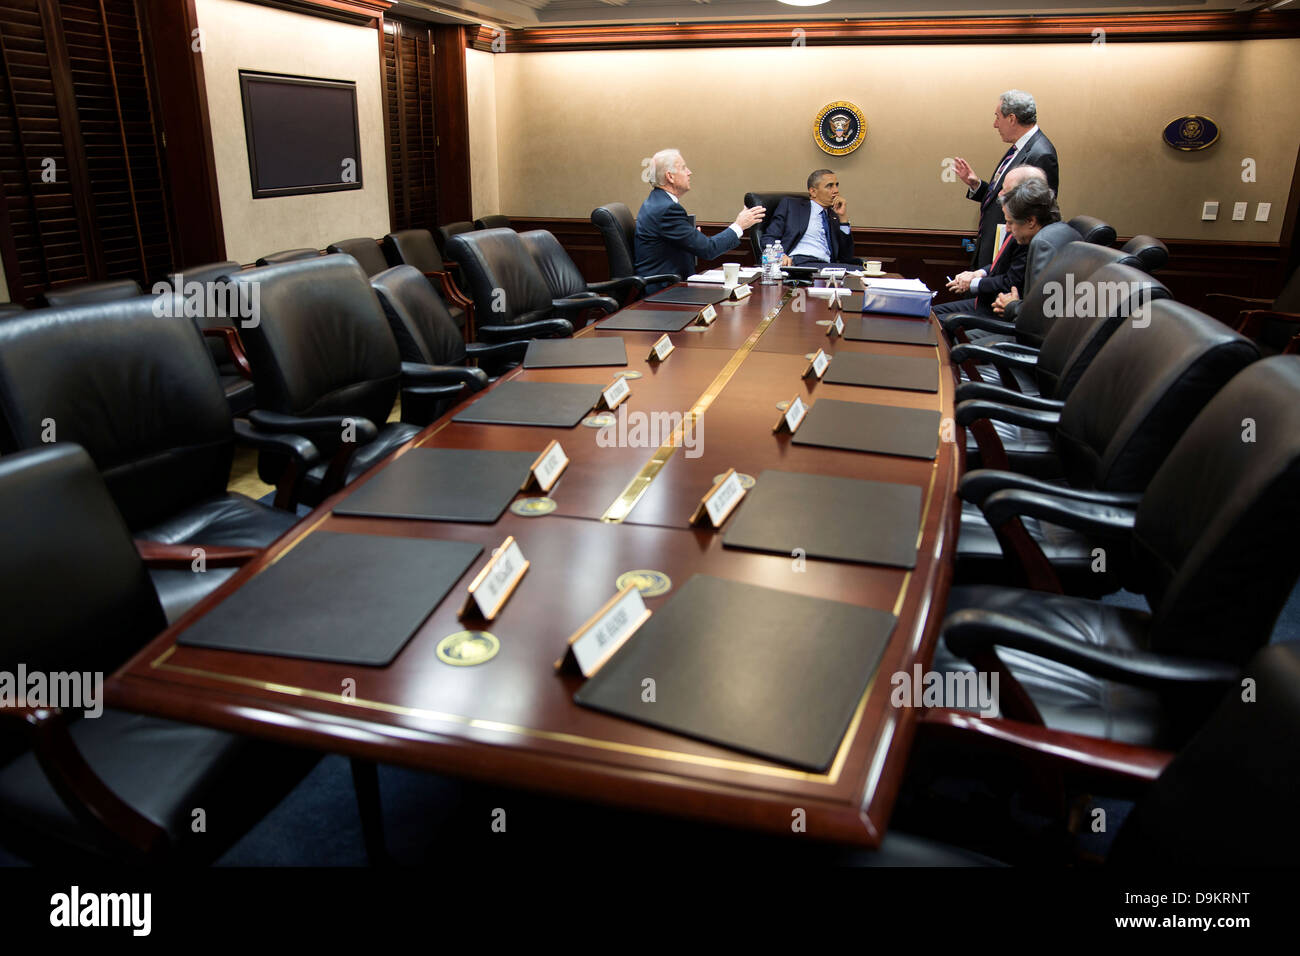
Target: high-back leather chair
443,233
365,251
201,286
1210,544
618,231
1153,253
77,599
415,247
426,335
510,294
769,200
288,255
492,222
570,292
1274,325
1094,230
139,392
1047,242
1146,384
88,293
323,356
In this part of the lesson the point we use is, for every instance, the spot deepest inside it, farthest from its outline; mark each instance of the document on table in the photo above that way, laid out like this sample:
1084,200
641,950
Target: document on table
716,275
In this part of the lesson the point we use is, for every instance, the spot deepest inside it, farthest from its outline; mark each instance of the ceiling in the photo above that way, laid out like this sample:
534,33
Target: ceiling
522,14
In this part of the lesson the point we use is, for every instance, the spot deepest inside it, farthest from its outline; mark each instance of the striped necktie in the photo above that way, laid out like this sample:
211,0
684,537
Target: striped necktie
997,176
1001,249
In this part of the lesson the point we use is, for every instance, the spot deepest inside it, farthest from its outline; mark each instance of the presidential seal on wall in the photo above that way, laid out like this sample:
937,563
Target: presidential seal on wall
839,128
1191,132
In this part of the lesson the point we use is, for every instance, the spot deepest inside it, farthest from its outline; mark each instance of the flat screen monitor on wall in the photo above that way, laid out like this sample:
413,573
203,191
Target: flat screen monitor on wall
302,134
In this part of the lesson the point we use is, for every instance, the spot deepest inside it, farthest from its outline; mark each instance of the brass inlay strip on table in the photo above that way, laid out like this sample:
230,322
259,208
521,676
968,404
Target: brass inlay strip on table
640,484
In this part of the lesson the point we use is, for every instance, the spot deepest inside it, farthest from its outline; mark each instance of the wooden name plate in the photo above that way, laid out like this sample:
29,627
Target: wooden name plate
605,632
492,586
720,501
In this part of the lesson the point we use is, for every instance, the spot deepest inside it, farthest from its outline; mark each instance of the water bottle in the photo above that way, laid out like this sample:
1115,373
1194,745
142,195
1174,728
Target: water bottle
767,263
777,253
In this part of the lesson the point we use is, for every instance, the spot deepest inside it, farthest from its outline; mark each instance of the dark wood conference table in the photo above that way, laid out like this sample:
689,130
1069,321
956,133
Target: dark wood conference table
512,720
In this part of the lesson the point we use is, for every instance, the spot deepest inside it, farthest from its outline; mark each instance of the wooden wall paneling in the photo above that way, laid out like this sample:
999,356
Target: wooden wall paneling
451,124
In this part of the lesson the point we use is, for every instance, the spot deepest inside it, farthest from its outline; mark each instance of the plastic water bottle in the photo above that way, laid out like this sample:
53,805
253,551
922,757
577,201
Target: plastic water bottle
767,263
777,253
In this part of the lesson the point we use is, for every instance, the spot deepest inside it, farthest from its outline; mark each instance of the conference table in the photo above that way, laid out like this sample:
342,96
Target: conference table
512,720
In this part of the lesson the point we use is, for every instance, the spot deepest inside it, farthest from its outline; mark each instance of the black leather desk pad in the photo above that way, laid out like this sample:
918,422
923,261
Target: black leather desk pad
899,331
650,320
763,671
443,484
689,295
575,353
558,404
347,598
839,519
883,371
883,429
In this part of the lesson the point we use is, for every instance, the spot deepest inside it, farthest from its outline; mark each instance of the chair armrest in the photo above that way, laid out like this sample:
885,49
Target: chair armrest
324,431
576,303
101,811
965,320
498,353
671,277
444,283
974,409
1107,762
1106,519
984,355
972,630
545,329
460,375
1250,321
968,391
977,485
626,288
295,446
156,554
233,346
1017,347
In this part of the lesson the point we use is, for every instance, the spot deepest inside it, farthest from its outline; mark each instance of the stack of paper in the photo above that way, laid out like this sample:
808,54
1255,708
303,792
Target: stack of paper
895,285
716,275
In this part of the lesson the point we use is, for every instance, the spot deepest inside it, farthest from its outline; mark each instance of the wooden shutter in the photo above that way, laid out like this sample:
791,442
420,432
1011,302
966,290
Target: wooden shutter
408,86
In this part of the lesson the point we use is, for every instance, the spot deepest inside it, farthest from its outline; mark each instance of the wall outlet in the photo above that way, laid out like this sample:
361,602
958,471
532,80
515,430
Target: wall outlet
1239,211
1210,211
1262,211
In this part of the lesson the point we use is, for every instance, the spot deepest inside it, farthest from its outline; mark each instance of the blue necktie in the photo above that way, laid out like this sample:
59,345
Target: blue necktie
830,238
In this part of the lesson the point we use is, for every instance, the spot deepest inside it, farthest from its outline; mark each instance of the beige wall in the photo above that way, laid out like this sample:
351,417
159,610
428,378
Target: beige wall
480,80
245,36
1102,106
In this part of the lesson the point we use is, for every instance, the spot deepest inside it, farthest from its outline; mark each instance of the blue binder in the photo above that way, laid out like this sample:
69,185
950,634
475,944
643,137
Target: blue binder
916,304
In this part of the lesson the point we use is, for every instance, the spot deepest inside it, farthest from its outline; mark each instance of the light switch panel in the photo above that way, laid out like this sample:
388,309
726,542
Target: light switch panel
1262,211
1239,211
1210,211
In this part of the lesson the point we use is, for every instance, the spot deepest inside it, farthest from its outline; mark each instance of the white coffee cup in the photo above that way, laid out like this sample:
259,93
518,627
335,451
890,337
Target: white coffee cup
875,267
730,273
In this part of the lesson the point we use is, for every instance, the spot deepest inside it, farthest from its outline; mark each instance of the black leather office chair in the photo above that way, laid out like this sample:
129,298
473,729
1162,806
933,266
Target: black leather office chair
769,200
201,286
1153,253
327,369
493,222
87,293
1094,230
77,599
510,294
618,231
1145,386
365,251
1070,266
415,247
1071,343
569,290
1211,545
1047,242
442,234
139,392
426,335
288,255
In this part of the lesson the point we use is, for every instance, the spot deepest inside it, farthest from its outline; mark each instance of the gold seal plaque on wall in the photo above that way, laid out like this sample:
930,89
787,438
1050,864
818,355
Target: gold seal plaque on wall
467,648
839,128
1191,132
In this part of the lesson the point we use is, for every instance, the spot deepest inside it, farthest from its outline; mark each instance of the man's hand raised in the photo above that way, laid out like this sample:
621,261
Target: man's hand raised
750,215
965,173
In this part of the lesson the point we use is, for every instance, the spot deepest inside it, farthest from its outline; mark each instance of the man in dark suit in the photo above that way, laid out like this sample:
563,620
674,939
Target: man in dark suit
813,231
1016,120
1028,207
667,240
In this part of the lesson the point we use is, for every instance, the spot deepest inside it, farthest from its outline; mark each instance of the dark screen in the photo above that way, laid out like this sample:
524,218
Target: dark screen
301,134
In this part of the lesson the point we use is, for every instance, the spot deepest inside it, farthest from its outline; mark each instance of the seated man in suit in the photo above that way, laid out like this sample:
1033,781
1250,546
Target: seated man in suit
1028,207
1016,120
666,237
813,231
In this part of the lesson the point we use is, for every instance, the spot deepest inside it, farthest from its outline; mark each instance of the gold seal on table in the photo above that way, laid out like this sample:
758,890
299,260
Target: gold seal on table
630,374
746,481
467,648
532,507
600,420
782,406
649,583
